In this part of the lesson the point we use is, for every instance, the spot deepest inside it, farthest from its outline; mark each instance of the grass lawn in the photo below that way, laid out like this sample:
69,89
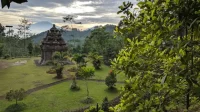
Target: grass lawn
59,97
103,72
25,76
55,98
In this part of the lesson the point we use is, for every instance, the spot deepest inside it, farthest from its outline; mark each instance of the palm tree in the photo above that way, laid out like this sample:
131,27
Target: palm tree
97,59
79,59
58,58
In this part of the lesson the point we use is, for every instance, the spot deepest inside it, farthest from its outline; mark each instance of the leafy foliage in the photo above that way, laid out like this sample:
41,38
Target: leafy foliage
2,28
13,45
103,43
105,105
79,58
93,109
111,79
85,73
161,59
96,60
74,85
58,58
36,50
24,27
30,48
16,95
1,49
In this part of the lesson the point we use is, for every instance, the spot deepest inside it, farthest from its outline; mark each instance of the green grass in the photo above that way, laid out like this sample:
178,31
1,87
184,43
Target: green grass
103,72
55,98
24,76
59,97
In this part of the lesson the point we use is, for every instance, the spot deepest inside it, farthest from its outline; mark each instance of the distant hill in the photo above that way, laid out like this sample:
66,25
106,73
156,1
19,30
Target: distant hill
69,35
40,27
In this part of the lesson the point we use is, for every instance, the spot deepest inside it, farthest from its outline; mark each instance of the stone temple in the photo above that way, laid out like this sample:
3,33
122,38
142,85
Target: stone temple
51,43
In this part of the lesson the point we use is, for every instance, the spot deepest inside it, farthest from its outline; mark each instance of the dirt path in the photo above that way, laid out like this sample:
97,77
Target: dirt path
4,65
29,91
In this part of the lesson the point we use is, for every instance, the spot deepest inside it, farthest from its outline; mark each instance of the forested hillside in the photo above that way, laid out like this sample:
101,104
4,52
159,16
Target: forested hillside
74,34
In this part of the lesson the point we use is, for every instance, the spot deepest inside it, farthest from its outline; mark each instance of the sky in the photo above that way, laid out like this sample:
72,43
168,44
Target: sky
89,12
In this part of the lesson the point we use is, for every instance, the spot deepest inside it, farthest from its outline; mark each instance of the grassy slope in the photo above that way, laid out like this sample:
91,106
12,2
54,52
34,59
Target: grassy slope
24,76
55,98
29,75
59,97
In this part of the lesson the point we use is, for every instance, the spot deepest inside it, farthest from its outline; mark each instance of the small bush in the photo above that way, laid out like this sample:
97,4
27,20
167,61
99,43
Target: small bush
111,79
16,95
105,105
87,100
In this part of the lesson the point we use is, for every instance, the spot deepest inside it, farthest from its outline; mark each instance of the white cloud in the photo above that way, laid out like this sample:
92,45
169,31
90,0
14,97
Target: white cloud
83,17
90,13
74,8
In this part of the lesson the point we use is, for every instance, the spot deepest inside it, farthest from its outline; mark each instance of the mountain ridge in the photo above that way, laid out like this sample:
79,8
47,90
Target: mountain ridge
74,34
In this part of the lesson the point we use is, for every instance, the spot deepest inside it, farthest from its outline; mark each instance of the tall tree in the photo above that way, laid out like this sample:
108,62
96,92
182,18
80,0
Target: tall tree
2,28
85,73
71,19
103,43
23,29
58,58
161,60
16,95
30,48
96,60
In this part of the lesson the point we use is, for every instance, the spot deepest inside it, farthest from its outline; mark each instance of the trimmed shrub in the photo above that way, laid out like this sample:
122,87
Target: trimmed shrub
111,79
17,95
105,105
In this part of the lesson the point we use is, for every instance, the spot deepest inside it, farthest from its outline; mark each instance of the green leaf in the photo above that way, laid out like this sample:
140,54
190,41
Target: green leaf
181,52
152,12
163,79
119,12
193,22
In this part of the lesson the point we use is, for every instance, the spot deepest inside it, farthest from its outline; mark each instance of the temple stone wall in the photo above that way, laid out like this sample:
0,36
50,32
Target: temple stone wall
51,43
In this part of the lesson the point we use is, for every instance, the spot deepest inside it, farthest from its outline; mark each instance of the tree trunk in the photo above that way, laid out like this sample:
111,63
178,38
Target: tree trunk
59,73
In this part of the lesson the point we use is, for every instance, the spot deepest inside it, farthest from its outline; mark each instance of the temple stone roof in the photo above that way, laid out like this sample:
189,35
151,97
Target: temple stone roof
51,43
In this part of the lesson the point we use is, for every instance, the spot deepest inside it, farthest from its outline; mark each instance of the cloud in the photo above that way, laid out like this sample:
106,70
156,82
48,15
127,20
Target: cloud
89,12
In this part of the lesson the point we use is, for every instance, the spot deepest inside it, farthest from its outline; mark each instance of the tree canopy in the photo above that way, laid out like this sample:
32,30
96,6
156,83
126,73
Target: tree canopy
161,59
